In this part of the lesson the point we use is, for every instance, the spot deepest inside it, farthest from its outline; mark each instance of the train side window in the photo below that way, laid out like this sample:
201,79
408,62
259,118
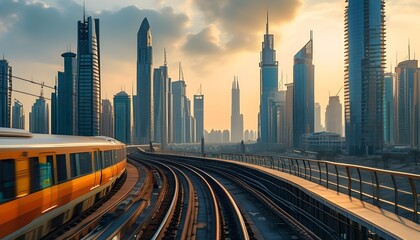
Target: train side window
108,158
96,160
61,168
7,179
42,172
81,163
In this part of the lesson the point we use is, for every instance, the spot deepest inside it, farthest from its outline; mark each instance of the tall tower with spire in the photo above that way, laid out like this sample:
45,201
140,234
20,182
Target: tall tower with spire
161,103
144,123
236,118
268,83
88,84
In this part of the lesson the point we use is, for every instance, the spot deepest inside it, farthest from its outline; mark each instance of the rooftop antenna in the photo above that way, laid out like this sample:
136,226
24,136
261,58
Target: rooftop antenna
201,90
311,34
281,81
408,49
42,90
164,57
70,47
84,11
181,74
266,25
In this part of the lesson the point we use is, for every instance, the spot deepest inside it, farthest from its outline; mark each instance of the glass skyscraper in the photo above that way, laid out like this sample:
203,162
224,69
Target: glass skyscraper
88,78
161,103
303,93
144,119
5,93
18,115
122,116
268,83
178,109
199,116
364,75
107,119
39,117
389,108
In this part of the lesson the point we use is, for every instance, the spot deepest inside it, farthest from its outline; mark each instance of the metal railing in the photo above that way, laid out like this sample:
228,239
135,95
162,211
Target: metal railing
393,191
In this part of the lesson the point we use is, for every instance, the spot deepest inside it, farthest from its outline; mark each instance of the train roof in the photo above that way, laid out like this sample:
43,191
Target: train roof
16,138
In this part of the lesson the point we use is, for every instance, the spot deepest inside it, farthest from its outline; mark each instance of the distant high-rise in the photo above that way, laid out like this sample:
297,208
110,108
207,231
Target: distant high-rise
364,65
416,111
268,83
88,78
178,110
5,93
389,108
189,122
63,116
39,117
18,115
317,118
236,118
404,99
289,115
333,115
107,119
277,117
303,93
144,119
199,116
161,103
122,117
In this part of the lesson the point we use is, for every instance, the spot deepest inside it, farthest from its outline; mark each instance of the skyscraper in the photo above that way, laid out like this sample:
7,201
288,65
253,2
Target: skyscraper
268,82
364,75
5,93
236,118
199,116
88,77
18,115
333,115
39,117
144,119
317,118
416,111
107,119
303,95
289,114
404,100
161,103
122,117
178,93
64,118
389,108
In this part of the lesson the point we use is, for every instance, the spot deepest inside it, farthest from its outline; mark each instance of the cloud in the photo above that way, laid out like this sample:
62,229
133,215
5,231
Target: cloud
241,22
35,31
204,42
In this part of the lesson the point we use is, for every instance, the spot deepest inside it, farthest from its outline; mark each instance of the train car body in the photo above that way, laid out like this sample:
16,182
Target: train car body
45,180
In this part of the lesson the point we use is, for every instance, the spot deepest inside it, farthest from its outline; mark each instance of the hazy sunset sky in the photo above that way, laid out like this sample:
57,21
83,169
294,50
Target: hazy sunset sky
214,39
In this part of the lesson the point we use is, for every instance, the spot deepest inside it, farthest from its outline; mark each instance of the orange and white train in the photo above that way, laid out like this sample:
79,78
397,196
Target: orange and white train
45,180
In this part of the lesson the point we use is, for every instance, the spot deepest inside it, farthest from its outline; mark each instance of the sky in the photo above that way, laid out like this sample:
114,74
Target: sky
214,41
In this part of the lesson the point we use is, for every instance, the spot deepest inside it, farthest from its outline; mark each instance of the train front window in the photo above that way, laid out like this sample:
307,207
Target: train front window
7,179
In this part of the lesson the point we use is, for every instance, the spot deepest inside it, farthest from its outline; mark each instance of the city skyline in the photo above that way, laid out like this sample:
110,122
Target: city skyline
328,77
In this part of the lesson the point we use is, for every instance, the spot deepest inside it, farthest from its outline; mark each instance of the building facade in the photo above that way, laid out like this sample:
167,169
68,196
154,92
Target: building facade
5,93
303,93
18,115
236,118
178,93
39,117
107,119
389,109
144,119
268,83
317,118
88,78
333,115
416,112
289,115
364,66
322,141
122,117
